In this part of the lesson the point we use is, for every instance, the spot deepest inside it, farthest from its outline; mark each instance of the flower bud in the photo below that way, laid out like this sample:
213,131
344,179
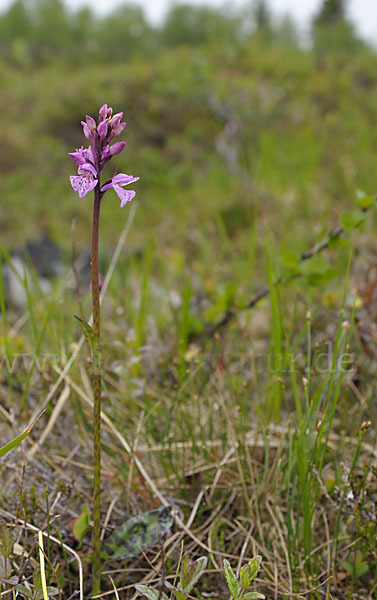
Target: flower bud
116,119
103,112
117,148
91,123
88,134
102,129
365,425
118,129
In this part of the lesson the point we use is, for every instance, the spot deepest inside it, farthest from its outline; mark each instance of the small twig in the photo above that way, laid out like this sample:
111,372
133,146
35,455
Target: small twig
229,152
114,587
305,592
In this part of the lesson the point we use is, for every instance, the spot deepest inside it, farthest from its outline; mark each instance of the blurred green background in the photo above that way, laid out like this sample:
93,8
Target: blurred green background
232,122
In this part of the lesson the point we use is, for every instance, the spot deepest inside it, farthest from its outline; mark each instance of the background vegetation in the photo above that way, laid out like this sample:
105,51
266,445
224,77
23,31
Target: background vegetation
251,147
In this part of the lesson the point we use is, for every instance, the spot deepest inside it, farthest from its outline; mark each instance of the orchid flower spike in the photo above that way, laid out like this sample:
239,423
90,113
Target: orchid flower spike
91,161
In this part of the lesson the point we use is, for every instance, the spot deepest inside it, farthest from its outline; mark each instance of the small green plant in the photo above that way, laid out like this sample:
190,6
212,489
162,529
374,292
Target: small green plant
238,585
191,571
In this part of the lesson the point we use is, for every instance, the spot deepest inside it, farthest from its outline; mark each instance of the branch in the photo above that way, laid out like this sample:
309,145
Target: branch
229,151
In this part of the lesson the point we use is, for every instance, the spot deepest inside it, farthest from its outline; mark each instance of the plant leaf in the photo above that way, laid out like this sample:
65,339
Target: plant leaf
244,576
231,580
7,539
353,220
249,571
81,524
17,440
252,596
139,533
348,567
37,580
24,590
362,569
365,200
190,573
150,592
94,344
52,591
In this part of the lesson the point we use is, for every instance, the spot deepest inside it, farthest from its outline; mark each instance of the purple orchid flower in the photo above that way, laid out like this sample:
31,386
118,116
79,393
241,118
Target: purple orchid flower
117,182
85,181
92,161
83,155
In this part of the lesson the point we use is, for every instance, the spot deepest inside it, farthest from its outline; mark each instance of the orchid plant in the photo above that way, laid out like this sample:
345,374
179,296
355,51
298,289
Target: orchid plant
91,163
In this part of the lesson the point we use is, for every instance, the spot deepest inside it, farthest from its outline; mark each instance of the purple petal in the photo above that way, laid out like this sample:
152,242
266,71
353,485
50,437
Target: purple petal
108,185
120,179
102,129
82,155
103,112
124,195
91,123
117,148
77,157
123,179
87,168
83,184
106,151
116,119
118,129
89,154
88,134
75,182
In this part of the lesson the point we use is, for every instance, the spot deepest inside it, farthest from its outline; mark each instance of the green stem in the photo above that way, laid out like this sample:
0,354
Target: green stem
96,375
